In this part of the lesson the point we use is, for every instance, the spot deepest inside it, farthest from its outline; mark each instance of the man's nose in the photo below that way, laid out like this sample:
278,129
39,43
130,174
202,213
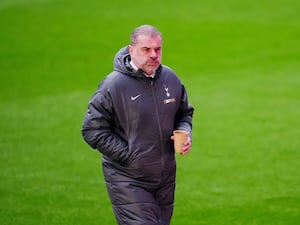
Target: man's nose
153,53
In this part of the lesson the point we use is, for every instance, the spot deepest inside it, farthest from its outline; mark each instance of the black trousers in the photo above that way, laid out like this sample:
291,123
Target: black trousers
137,202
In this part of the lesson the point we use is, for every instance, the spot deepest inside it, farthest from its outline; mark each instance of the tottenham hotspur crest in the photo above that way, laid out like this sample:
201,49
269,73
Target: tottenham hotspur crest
168,100
167,90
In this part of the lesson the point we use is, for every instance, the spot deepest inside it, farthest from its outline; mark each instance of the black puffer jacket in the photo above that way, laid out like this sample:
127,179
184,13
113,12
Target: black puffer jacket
131,117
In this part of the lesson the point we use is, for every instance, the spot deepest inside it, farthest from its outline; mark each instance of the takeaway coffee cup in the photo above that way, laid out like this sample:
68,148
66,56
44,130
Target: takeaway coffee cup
180,137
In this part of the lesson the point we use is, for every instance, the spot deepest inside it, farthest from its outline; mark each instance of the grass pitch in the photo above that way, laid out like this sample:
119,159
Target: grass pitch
240,64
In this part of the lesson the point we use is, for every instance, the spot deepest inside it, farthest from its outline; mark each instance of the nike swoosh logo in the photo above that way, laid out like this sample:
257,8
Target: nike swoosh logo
135,97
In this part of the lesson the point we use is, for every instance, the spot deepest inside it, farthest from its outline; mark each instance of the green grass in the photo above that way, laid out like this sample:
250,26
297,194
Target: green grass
240,63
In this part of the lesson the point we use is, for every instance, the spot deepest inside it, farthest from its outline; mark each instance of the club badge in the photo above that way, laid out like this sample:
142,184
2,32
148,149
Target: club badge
167,91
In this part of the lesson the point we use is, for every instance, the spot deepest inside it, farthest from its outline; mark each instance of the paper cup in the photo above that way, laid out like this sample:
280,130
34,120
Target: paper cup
180,136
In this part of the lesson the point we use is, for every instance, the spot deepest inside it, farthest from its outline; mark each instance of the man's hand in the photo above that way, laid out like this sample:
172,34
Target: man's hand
187,145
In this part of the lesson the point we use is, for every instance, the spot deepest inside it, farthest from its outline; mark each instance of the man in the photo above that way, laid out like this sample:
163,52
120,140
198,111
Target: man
130,120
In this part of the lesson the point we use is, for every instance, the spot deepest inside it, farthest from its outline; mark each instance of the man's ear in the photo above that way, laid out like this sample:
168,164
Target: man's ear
130,49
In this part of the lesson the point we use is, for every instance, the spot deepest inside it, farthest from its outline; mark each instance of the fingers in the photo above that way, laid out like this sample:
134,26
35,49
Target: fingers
188,141
187,146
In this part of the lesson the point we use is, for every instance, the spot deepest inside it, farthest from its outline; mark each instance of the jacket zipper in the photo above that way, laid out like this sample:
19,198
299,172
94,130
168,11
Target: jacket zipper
159,126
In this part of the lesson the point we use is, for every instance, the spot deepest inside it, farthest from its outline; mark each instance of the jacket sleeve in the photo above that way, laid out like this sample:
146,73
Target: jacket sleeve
98,129
184,115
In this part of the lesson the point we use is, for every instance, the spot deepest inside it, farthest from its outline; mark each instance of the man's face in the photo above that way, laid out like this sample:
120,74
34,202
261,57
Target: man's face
146,54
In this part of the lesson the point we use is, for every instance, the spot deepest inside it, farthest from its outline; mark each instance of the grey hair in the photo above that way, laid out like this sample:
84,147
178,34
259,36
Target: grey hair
147,30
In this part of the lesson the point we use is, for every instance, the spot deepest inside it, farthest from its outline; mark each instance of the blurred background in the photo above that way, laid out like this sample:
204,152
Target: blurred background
239,61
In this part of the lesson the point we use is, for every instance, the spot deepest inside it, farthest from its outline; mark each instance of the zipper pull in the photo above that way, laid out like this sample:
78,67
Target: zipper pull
151,80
